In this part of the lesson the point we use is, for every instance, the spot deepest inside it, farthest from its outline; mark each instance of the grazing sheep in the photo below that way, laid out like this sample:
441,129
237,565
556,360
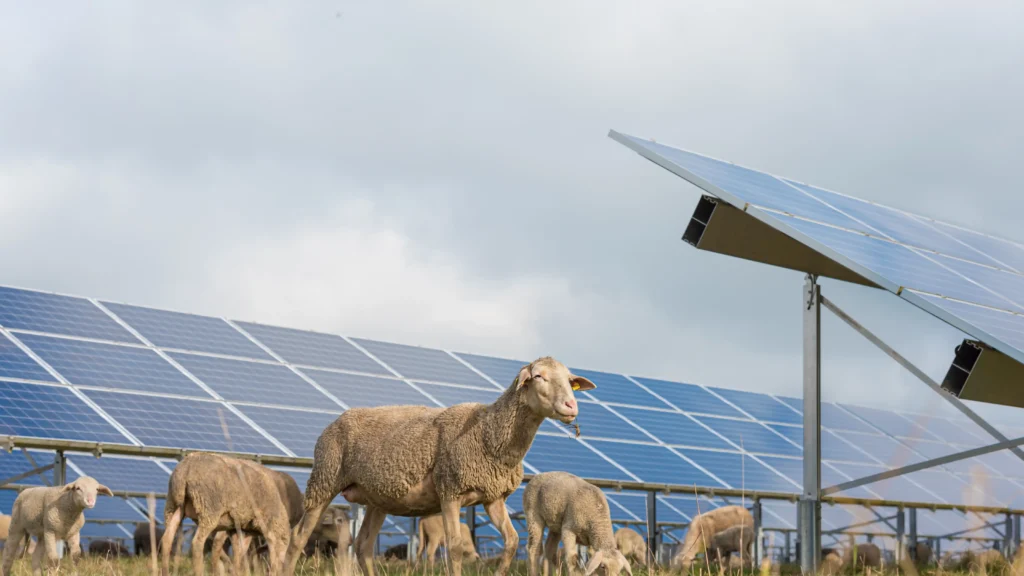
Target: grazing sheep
397,552
332,536
222,493
576,512
831,562
735,539
431,536
51,514
971,561
632,545
108,548
143,547
703,527
418,461
867,556
922,554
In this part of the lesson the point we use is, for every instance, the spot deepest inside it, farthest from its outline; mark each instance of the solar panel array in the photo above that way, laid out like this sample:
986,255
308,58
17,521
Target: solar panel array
973,281
79,369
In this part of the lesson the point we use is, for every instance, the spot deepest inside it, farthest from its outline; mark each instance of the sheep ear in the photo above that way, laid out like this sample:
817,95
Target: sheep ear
68,487
101,489
524,376
595,561
579,383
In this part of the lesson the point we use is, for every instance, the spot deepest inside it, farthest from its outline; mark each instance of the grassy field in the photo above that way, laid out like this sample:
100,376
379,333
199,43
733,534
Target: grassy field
133,566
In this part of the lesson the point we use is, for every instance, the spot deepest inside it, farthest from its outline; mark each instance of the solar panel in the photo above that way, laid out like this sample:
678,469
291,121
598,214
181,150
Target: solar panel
313,349
42,312
760,406
673,428
452,395
617,389
111,366
596,421
892,423
832,416
548,453
41,411
898,488
937,449
359,391
133,474
751,436
179,422
417,363
793,469
182,331
15,463
653,463
960,432
745,473
15,363
832,447
503,371
690,398
298,430
244,381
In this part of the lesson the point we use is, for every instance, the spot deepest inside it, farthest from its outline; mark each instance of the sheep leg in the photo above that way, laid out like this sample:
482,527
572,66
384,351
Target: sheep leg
571,552
367,537
551,553
14,538
49,546
452,535
534,546
498,514
75,543
203,529
37,558
216,554
432,552
171,522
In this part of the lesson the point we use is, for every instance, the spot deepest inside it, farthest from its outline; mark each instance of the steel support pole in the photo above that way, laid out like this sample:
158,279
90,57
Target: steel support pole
901,520
471,524
652,525
913,534
787,557
1016,533
1008,537
758,533
810,500
60,474
414,535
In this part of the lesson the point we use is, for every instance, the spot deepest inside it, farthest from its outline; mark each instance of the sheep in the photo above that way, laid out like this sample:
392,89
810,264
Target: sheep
703,527
5,525
831,562
576,512
735,539
143,546
108,549
397,552
867,555
632,545
221,493
51,514
418,461
922,554
332,536
431,536
971,561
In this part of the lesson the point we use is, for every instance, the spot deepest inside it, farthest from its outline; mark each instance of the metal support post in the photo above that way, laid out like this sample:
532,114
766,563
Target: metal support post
810,500
913,533
1008,537
901,520
60,474
471,524
1016,533
758,533
358,515
786,556
414,535
937,551
652,524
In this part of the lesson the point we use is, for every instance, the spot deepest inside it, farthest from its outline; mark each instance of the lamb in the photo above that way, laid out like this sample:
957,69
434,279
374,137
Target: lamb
735,539
867,556
332,536
108,549
221,493
418,461
632,545
576,512
431,536
703,527
51,514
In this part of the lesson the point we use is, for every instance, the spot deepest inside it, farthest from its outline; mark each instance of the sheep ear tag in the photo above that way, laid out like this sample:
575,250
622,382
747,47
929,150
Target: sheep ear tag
575,387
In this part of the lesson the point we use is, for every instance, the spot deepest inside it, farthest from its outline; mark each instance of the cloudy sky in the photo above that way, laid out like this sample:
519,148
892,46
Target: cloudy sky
440,173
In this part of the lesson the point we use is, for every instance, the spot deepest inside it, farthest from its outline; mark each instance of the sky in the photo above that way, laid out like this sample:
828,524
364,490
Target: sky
440,173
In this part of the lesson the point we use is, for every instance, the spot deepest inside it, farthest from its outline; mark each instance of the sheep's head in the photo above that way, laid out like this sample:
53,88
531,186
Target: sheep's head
608,563
84,491
549,389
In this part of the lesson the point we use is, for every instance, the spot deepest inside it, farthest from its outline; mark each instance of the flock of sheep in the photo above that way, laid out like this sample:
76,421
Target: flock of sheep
405,461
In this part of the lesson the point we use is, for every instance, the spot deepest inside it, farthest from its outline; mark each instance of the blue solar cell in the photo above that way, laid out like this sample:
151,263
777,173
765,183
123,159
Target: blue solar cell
359,391
760,406
161,421
793,468
187,331
628,505
654,463
91,532
891,422
689,506
1009,285
997,491
298,430
673,428
616,388
1008,254
244,381
133,474
111,366
946,486
1006,463
596,421
1002,325
43,411
690,398
14,463
832,447
832,416
751,436
897,263
452,395
114,508
954,432
428,364
41,312
15,363
745,473
501,370
937,449
563,453
885,449
898,226
898,488
7,498
313,348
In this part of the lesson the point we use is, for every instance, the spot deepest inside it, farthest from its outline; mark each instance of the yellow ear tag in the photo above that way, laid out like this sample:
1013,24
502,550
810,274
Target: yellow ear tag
575,387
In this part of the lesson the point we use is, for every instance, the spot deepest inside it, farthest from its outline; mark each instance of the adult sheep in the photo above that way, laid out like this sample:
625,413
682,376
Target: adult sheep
703,527
51,514
109,549
143,546
418,461
221,493
431,536
863,556
735,539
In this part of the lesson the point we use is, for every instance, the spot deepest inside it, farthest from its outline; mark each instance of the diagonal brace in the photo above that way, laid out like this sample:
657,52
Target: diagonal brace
923,465
24,475
919,374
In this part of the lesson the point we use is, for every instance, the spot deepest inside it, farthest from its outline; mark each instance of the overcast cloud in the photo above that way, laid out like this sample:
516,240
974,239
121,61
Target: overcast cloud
439,173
